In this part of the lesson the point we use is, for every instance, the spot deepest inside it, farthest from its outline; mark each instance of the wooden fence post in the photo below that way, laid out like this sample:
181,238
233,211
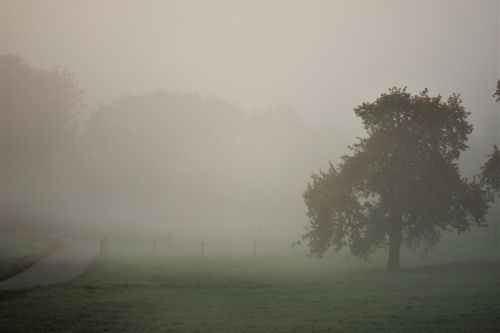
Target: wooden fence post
495,237
101,252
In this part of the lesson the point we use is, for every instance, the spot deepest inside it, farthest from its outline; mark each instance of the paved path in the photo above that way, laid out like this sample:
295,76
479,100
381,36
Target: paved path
61,266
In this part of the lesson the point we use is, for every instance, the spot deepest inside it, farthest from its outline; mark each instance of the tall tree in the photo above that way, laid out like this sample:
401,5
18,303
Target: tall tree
490,171
187,158
37,123
497,92
401,184
38,108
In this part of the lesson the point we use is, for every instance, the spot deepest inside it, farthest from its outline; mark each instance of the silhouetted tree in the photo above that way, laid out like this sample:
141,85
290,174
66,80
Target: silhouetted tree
37,108
401,184
184,157
497,92
37,123
490,171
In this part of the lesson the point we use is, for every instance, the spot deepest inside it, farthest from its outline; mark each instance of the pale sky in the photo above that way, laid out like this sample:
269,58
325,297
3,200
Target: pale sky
321,57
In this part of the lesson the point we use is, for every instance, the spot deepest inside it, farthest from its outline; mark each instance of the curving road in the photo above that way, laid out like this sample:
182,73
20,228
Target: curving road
63,265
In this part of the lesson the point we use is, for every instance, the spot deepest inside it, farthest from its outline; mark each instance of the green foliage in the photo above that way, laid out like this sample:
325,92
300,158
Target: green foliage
497,92
38,106
193,161
490,171
37,128
400,184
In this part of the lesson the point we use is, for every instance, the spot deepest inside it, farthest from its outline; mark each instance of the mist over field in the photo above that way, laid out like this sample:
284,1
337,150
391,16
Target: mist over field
209,117
224,129
162,133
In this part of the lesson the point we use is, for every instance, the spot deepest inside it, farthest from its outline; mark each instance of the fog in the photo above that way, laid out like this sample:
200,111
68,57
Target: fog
205,119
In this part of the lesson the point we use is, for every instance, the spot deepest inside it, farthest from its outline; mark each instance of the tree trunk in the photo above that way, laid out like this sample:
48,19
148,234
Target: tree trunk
395,236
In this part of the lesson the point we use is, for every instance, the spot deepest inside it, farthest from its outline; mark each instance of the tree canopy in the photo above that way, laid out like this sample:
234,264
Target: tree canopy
497,92
194,160
400,185
37,126
38,106
490,171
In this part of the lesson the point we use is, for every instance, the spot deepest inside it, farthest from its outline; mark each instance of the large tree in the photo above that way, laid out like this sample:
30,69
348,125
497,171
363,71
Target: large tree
187,159
400,185
38,110
490,171
497,92
37,126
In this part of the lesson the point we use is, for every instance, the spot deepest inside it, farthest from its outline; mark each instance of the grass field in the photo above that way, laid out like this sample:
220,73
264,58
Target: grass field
166,294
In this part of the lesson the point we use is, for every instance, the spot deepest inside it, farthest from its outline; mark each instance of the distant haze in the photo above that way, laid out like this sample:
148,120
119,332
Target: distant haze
287,75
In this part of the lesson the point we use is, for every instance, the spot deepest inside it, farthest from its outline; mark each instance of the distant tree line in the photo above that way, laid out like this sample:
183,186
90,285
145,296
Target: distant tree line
38,114
180,157
157,157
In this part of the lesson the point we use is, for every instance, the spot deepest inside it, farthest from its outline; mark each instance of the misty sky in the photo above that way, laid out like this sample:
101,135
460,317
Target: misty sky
321,57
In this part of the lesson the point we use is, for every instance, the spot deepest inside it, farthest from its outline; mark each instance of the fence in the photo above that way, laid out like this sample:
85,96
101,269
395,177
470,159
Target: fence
123,244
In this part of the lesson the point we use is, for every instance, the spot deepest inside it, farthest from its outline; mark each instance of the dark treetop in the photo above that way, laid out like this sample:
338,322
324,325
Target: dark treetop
400,185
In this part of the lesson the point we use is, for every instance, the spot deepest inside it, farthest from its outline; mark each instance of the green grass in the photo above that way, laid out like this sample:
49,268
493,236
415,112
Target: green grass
263,295
19,250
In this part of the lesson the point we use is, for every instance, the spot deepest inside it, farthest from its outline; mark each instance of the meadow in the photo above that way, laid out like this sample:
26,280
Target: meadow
136,293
